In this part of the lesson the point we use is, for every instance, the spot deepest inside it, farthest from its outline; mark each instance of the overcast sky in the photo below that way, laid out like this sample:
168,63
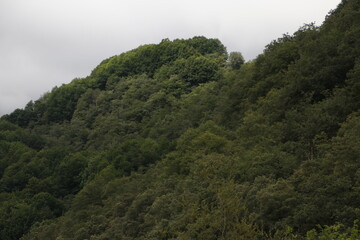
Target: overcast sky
46,43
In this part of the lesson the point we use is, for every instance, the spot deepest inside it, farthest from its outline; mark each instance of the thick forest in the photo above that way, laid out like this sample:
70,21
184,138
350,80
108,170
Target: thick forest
183,140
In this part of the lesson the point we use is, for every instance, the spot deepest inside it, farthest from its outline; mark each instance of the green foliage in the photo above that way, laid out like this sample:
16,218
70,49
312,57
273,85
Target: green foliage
148,59
167,141
193,70
62,102
334,232
235,60
132,154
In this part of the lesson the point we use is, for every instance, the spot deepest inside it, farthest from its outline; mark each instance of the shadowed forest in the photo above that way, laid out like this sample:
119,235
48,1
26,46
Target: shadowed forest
183,140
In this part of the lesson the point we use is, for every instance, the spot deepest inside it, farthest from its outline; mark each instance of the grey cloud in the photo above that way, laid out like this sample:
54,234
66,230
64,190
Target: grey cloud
46,43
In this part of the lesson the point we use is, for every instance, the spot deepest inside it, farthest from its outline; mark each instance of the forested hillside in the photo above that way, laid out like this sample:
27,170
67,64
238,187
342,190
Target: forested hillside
181,140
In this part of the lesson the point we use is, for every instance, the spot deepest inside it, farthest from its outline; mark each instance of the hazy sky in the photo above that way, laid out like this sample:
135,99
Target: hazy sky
46,43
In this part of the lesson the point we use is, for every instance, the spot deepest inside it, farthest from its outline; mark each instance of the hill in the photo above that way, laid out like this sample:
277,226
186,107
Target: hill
179,140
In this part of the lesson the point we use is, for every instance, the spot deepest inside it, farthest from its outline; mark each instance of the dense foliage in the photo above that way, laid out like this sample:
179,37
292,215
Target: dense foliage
174,141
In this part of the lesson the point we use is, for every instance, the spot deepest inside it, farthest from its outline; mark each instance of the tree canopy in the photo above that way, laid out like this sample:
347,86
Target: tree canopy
179,140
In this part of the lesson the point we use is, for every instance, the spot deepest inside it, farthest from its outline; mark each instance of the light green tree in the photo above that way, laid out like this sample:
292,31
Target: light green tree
235,60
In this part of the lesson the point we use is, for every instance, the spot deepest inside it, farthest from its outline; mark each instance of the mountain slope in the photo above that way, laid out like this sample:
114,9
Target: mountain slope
168,141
